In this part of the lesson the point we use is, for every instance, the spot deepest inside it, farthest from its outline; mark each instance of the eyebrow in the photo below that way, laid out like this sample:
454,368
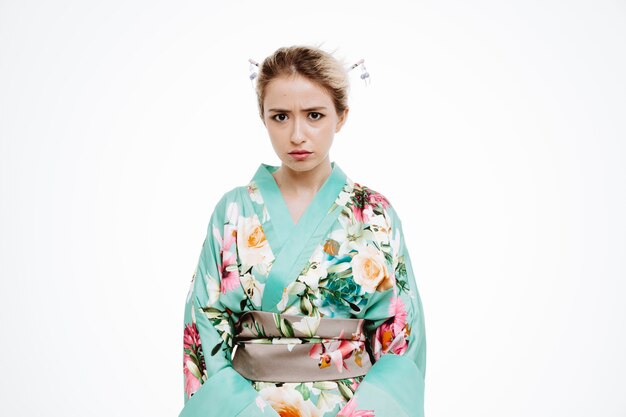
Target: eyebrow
309,109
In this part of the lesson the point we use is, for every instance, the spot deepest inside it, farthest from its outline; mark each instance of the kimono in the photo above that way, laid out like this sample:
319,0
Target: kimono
317,318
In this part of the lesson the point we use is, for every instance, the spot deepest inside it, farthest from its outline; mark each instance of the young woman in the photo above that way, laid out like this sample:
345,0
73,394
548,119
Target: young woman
303,302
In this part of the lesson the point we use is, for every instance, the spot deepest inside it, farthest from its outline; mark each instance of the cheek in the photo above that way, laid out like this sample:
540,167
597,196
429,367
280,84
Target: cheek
326,130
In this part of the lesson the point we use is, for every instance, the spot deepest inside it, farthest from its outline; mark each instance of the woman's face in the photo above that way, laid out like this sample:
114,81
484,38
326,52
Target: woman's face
301,120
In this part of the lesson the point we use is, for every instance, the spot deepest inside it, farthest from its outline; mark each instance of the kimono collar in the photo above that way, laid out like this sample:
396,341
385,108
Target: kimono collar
293,243
273,197
274,214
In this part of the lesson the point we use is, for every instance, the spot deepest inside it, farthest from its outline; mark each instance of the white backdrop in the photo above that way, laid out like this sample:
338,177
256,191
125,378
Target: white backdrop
496,128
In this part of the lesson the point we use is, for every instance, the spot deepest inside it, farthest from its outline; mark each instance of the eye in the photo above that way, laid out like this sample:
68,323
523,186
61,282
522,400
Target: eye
280,117
315,115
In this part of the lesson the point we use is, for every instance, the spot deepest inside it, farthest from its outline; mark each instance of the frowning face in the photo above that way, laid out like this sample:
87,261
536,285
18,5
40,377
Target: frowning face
301,120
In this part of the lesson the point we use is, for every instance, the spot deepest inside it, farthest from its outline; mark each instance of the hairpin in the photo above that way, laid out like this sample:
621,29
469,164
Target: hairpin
365,76
254,69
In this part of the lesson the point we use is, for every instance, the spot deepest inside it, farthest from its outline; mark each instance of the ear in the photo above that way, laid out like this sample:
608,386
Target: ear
342,119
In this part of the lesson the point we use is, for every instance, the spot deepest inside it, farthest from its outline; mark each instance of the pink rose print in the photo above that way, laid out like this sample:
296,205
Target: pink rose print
193,359
229,275
364,199
391,336
398,311
349,410
334,352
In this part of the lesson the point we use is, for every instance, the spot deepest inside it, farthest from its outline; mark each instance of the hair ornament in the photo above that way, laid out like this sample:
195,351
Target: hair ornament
365,76
254,69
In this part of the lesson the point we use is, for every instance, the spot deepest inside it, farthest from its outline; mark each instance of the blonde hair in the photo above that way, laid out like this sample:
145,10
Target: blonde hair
310,62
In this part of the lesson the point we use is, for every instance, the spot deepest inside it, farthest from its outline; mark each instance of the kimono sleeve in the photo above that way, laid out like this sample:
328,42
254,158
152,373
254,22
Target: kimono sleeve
394,386
211,386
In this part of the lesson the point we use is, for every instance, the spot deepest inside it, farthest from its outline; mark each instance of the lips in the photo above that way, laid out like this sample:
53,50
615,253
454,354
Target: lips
300,155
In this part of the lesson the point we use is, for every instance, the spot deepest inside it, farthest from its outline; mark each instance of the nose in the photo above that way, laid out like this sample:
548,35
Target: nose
297,132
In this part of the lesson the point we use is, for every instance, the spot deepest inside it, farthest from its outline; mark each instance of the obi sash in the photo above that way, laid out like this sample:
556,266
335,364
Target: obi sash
273,347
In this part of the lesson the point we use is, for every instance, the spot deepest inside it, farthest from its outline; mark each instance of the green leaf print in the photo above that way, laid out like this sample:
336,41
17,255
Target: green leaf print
304,390
212,313
344,389
216,349
286,329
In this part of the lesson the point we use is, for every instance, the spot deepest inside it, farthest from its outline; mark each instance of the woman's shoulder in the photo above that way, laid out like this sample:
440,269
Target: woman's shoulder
364,198
368,193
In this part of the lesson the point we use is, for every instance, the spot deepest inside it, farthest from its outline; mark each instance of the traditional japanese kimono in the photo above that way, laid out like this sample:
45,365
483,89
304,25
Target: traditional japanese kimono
316,319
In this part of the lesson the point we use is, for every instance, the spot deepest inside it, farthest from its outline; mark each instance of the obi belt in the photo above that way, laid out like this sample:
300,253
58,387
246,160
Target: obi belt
272,347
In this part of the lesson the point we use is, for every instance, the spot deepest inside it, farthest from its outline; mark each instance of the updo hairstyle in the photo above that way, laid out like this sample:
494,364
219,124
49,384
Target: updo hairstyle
310,62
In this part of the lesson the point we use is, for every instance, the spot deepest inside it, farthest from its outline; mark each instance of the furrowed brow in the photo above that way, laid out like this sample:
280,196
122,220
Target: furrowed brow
308,109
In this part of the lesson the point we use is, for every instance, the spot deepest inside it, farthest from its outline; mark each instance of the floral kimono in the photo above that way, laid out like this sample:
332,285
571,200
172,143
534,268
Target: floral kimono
315,319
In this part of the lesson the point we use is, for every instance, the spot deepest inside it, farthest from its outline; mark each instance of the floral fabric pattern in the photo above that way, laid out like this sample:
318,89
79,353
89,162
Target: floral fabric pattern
352,264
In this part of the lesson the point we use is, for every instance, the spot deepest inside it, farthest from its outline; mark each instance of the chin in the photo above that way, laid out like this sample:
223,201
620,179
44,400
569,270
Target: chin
301,166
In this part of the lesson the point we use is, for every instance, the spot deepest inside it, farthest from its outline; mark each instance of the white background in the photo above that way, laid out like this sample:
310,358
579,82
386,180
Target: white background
496,128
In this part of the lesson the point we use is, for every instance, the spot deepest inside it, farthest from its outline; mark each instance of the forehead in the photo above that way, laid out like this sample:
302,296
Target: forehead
295,89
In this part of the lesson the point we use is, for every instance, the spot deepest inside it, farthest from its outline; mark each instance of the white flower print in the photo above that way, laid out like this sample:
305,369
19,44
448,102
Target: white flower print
252,243
213,289
255,194
308,325
369,268
253,288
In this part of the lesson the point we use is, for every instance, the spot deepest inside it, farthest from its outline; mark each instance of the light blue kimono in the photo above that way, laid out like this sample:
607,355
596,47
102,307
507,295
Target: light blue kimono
345,258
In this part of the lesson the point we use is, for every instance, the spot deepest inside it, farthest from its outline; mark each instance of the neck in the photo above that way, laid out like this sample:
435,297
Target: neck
303,181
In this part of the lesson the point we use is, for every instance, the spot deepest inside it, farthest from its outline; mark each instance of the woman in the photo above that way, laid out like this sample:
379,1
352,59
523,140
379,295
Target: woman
304,301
